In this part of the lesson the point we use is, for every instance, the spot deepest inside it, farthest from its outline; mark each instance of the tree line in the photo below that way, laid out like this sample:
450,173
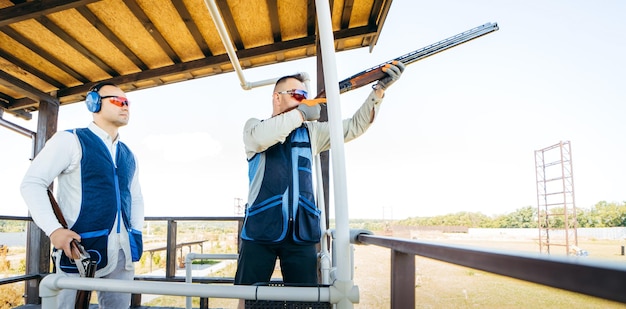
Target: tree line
602,214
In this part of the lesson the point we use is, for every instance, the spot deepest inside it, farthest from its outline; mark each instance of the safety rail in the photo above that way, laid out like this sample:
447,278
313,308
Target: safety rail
20,278
170,253
33,279
189,258
53,283
599,278
25,277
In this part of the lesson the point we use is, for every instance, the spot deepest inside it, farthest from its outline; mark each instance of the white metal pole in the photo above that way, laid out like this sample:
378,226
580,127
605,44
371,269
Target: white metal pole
331,82
53,283
324,255
191,256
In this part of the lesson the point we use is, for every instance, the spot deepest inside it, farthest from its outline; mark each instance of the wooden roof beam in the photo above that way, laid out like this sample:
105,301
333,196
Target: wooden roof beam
272,6
311,21
193,28
30,69
156,35
346,13
34,9
17,85
41,52
76,45
378,20
100,26
178,68
34,96
229,21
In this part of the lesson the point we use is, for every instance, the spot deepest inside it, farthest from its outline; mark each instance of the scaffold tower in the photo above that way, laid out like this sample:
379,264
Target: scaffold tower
556,210
238,207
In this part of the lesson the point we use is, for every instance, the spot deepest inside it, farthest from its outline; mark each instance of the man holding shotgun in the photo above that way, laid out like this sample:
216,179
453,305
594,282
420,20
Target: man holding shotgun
100,203
282,220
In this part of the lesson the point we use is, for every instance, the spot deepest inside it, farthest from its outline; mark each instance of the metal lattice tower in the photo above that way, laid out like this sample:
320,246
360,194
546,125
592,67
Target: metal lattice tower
555,197
238,207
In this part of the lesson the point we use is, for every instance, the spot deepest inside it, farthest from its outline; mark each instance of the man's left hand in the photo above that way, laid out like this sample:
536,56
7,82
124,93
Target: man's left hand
394,71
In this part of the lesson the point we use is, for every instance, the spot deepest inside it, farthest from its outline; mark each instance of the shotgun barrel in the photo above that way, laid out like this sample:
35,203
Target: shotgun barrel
375,73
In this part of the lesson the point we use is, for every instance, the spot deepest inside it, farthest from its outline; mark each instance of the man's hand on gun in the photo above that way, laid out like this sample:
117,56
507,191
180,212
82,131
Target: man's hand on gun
394,71
82,259
69,241
310,109
310,113
61,239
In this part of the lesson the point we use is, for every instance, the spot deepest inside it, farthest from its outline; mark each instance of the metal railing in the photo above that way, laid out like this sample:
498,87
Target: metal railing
598,278
170,248
25,277
170,254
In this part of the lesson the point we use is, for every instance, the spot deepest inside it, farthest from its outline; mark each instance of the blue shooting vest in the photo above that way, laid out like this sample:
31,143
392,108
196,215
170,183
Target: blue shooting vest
285,202
105,194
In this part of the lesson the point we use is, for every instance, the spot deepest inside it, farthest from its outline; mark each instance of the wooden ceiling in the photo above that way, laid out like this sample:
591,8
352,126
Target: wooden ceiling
55,50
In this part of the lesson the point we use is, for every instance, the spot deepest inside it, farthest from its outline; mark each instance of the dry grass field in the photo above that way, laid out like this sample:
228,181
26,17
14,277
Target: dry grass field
443,285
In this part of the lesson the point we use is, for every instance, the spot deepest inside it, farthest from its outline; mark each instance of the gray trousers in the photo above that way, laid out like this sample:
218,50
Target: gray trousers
106,300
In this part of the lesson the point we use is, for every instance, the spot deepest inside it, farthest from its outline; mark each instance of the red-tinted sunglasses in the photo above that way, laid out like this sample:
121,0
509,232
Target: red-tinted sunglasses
297,94
116,100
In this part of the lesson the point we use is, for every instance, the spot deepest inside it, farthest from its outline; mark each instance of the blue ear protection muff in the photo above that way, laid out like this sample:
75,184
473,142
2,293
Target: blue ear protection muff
93,99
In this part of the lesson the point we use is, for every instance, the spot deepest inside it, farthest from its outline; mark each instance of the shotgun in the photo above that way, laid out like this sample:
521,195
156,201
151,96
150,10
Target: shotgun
86,266
375,73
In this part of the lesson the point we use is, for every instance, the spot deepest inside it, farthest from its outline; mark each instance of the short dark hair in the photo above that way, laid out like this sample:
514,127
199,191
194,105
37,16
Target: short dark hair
99,86
298,76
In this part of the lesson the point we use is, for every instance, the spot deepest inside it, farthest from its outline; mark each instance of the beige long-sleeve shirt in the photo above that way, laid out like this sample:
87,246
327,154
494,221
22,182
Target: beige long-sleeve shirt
259,135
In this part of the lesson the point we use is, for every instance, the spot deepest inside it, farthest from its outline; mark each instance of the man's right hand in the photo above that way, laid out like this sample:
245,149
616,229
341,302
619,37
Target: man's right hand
61,239
310,113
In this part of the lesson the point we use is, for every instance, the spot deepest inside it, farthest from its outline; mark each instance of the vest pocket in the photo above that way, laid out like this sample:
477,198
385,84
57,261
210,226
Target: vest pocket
96,244
307,227
261,220
136,244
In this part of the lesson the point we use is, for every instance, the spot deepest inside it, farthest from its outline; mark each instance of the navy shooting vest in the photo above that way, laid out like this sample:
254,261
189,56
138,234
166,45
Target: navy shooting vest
105,194
285,202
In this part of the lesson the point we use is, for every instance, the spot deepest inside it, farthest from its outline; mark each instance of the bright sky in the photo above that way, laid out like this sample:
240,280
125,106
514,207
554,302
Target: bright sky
458,132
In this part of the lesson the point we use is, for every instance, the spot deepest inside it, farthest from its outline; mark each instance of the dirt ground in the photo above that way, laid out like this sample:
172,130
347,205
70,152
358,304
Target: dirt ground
443,285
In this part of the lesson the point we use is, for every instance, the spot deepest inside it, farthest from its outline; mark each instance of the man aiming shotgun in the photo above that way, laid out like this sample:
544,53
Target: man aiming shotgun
282,219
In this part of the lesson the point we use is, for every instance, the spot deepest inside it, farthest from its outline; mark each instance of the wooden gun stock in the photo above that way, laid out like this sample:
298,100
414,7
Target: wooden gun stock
56,209
375,73
82,297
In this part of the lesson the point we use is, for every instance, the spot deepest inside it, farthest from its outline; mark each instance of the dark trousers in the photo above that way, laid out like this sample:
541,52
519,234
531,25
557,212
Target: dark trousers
298,263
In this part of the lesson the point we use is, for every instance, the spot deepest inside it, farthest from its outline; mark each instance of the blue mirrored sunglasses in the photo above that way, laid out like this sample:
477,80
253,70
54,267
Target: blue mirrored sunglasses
297,94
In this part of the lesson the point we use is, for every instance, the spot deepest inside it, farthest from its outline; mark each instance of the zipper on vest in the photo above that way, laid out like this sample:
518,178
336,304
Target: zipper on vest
118,199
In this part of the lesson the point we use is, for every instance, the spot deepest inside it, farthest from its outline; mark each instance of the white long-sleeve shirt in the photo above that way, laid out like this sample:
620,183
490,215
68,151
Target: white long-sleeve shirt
60,159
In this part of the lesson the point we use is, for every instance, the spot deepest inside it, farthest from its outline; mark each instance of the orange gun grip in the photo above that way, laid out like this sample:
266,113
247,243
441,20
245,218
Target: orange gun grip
313,102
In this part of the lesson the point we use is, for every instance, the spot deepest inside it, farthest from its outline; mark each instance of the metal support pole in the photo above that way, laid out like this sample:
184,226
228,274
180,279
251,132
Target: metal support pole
402,280
342,244
170,259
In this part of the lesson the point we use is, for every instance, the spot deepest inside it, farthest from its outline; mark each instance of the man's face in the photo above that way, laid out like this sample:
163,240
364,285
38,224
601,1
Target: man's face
111,111
284,101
